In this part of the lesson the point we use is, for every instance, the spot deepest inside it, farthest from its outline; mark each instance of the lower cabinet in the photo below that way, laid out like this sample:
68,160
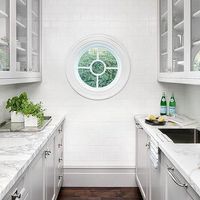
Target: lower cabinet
49,166
176,187
58,161
43,179
21,190
37,178
156,190
142,161
162,182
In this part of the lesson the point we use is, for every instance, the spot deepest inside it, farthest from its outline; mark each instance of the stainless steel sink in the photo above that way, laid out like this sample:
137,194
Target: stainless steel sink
182,135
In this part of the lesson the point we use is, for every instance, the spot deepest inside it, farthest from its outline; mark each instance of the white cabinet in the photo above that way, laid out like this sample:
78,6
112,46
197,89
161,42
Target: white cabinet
37,178
58,161
162,182
21,190
20,41
175,186
142,161
148,176
49,171
43,178
179,39
156,190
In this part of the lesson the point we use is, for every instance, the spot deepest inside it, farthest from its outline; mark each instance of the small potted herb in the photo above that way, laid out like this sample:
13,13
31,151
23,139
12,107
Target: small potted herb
16,104
33,114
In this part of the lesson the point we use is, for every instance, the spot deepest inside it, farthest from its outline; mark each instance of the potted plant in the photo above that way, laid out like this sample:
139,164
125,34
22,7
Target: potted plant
15,104
33,114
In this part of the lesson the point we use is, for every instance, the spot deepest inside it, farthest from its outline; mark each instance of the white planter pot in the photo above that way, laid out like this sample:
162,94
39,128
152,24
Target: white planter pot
17,117
30,121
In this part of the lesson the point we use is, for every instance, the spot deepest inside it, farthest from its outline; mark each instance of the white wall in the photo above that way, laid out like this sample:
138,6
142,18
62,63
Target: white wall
192,99
101,134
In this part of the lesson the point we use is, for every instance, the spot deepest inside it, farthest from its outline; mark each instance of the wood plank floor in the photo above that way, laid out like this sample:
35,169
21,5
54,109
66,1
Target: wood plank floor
99,194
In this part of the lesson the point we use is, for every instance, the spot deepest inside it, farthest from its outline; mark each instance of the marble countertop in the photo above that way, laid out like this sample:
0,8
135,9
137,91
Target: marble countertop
17,151
185,157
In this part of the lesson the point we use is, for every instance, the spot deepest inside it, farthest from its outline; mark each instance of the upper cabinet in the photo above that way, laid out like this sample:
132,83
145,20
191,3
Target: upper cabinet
20,41
195,35
179,39
4,36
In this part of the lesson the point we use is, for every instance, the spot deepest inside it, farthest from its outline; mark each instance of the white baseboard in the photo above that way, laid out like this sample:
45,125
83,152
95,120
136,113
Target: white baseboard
88,177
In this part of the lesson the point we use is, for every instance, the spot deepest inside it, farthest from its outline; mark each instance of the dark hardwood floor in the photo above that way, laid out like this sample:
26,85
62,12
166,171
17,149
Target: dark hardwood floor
99,194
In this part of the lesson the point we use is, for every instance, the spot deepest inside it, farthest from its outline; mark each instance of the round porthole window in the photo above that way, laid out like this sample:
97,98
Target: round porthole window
98,67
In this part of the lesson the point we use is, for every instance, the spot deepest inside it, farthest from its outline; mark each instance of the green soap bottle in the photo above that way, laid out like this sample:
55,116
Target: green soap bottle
172,106
163,105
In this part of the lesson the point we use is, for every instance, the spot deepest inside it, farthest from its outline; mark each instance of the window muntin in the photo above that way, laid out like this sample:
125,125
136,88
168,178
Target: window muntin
98,67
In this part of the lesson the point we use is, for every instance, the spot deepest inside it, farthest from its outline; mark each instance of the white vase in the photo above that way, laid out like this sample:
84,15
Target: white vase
30,121
17,117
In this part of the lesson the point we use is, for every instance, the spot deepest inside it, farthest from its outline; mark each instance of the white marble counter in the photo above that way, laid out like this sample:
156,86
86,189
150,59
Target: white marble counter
17,151
185,157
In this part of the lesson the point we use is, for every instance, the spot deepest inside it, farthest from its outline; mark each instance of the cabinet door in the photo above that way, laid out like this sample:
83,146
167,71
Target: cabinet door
21,35
50,171
164,66
174,185
195,45
155,183
58,161
178,35
37,179
142,164
174,188
4,35
35,54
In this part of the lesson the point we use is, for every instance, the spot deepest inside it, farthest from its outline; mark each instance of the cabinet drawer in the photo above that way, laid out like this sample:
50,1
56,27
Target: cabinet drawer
20,191
59,142
176,180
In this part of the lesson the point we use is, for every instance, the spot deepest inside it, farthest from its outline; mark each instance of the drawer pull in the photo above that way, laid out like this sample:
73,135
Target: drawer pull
170,170
47,153
17,195
60,145
60,130
148,145
60,159
138,126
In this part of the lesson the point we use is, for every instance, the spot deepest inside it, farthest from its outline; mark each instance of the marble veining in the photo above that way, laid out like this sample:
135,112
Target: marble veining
17,151
185,157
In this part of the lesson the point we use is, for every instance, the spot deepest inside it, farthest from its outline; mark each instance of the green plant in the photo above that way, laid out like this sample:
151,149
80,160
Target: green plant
17,103
35,110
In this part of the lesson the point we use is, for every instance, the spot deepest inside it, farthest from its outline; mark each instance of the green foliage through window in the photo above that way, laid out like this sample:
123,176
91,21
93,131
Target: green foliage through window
98,67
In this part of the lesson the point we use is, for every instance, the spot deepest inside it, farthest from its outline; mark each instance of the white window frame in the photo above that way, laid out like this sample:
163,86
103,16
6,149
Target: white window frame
118,51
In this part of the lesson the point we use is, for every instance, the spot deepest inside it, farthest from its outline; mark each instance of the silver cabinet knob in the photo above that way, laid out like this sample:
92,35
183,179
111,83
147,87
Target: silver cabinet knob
16,195
60,145
47,153
148,145
60,159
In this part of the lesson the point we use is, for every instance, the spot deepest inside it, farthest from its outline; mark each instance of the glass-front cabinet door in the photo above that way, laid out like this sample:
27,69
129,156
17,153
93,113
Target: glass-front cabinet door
4,35
164,36
21,36
178,36
35,36
195,38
